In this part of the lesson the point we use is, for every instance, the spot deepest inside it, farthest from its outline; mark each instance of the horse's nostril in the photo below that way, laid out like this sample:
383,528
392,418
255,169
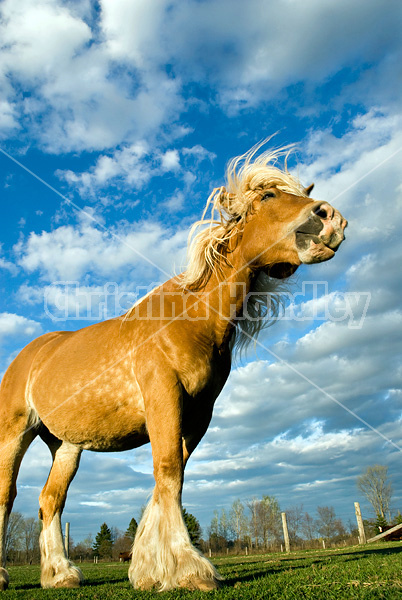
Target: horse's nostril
321,212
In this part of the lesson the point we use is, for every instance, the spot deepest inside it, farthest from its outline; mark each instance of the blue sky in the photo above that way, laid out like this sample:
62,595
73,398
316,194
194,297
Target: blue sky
117,118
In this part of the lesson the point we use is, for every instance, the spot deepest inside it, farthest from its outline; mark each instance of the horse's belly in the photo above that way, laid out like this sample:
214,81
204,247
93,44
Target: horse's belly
101,411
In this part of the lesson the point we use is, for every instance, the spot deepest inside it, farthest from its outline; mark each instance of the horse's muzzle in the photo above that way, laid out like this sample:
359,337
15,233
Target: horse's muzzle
321,234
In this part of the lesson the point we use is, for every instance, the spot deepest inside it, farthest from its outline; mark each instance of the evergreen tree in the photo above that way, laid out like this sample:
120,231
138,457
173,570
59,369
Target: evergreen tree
193,528
397,519
103,542
132,529
380,524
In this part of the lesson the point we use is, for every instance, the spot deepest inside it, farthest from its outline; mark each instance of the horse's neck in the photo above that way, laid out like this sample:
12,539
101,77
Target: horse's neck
225,295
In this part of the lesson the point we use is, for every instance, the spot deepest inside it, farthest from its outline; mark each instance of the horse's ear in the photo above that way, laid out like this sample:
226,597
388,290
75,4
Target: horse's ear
309,189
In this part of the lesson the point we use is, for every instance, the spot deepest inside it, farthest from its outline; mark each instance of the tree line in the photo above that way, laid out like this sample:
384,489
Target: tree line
257,523
22,541
254,523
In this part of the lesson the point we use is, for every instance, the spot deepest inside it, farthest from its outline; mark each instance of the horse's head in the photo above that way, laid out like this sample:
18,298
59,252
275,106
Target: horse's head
267,214
284,230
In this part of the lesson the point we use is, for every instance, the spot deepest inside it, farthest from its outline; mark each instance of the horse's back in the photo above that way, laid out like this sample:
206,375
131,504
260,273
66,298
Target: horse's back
13,387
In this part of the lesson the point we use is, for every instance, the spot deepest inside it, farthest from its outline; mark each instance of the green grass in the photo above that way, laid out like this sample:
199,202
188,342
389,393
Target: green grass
369,572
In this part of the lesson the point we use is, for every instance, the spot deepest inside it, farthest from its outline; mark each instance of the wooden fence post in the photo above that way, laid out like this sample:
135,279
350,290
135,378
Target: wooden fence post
67,539
362,534
285,532
385,533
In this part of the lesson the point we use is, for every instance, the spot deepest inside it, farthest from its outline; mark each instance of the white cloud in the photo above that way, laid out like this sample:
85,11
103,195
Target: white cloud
82,100
99,80
8,120
15,325
41,37
68,253
170,160
244,57
130,29
128,164
175,202
8,266
133,166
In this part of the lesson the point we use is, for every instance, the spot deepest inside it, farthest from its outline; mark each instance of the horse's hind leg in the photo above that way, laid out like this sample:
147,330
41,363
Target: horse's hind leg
56,569
15,436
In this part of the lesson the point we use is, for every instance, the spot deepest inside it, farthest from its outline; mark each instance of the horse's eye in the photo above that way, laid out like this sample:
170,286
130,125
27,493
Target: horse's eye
268,195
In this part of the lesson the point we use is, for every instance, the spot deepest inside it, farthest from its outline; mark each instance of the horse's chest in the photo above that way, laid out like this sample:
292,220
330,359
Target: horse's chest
205,374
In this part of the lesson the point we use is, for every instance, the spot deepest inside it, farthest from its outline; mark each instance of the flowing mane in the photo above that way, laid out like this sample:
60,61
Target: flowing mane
246,177
263,305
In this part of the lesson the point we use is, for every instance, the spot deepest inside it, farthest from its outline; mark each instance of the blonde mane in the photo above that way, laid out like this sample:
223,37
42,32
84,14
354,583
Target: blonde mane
246,178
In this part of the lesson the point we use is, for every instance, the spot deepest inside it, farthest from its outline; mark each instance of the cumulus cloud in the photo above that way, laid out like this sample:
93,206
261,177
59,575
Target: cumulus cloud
202,41
67,253
15,325
83,100
127,164
99,79
133,166
8,266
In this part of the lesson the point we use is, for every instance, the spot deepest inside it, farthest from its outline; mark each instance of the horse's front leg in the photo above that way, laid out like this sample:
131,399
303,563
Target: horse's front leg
163,555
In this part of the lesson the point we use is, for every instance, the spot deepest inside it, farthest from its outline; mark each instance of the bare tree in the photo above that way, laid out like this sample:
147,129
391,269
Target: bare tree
218,525
30,538
269,518
213,529
14,531
375,485
238,521
327,525
224,525
253,507
308,526
294,518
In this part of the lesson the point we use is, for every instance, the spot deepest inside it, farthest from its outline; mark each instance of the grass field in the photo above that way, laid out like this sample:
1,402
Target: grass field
370,572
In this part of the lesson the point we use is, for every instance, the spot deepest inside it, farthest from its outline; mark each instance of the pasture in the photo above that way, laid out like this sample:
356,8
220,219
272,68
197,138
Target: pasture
373,571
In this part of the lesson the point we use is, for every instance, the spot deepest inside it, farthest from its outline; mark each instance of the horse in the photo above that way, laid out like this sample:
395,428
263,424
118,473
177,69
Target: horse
125,556
153,374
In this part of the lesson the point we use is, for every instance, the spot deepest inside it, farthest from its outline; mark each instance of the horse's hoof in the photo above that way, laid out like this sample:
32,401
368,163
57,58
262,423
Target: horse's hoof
197,583
4,579
145,584
69,582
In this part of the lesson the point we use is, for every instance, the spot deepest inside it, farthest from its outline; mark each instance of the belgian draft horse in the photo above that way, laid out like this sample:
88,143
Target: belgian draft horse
154,374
